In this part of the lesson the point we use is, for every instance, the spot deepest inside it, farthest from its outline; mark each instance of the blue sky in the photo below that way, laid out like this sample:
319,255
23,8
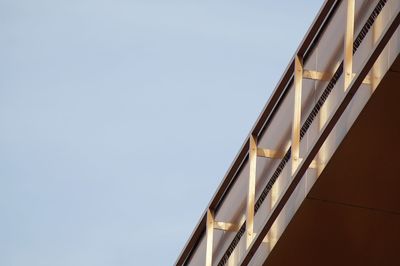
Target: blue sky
120,118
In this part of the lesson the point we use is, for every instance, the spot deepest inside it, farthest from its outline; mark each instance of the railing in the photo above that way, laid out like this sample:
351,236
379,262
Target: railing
294,75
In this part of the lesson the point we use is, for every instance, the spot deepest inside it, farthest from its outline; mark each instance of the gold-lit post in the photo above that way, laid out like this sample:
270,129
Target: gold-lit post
251,190
348,44
298,80
210,235
376,70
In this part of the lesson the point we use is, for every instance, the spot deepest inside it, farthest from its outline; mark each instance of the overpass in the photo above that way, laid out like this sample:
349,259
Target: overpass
316,181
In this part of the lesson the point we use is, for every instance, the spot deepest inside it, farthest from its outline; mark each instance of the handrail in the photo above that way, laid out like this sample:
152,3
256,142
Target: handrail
353,87
318,25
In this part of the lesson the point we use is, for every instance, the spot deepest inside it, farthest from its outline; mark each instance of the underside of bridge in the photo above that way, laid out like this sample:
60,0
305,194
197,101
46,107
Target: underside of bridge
352,214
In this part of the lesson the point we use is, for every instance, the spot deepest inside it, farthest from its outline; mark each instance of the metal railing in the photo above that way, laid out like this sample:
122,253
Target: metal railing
250,151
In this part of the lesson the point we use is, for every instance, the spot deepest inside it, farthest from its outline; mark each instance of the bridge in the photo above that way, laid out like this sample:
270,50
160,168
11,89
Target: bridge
316,181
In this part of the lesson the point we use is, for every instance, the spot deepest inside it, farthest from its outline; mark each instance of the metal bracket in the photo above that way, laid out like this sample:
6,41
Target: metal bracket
267,153
226,226
324,76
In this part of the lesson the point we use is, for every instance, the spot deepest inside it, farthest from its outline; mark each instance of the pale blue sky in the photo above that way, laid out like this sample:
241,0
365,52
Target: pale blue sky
120,118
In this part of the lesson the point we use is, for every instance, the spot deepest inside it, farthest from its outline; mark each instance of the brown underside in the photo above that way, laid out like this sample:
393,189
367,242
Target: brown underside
352,214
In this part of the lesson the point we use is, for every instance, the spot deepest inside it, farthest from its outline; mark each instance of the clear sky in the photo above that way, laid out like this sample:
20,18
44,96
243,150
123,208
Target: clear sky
118,119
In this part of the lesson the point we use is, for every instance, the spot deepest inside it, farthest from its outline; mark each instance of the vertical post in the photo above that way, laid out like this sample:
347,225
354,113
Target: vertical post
251,190
210,234
375,74
298,80
348,44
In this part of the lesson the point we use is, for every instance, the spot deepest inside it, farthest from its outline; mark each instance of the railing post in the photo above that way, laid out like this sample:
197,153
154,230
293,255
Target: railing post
210,235
251,190
348,44
298,80
376,71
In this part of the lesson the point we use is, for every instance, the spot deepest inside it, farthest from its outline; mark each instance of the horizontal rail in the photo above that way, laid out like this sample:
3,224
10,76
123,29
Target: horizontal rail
226,226
317,75
267,153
